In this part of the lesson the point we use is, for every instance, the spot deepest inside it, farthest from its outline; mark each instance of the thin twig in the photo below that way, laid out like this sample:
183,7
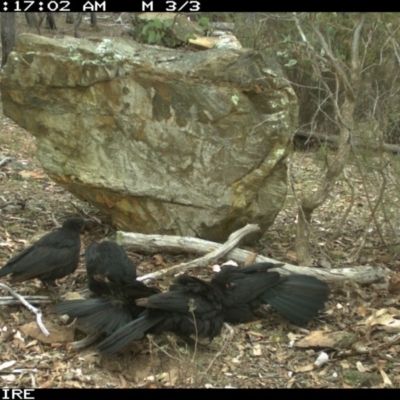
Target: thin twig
340,226
10,301
151,340
373,208
29,306
82,211
192,307
56,223
230,337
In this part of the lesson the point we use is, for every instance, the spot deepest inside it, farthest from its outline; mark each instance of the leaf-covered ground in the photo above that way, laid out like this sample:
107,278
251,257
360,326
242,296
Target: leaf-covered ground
357,335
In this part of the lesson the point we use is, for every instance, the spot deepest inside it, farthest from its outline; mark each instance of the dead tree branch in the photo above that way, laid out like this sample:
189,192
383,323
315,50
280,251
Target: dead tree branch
177,244
340,226
322,138
217,252
10,301
347,79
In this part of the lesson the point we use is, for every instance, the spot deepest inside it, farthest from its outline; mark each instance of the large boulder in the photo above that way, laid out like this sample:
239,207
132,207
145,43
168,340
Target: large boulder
166,141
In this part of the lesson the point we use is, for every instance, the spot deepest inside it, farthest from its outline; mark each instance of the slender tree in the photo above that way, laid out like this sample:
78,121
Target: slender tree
7,35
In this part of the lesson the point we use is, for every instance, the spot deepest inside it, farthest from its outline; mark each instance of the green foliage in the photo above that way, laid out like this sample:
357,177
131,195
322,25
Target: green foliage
379,50
203,26
291,63
355,378
204,22
190,36
154,30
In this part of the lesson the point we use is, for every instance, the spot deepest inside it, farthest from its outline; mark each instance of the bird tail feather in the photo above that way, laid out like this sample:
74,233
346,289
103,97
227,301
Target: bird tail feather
128,333
299,298
7,269
102,314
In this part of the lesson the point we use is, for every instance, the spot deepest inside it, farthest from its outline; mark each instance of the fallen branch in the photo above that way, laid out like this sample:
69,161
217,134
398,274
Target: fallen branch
29,307
177,244
5,160
10,301
358,143
216,252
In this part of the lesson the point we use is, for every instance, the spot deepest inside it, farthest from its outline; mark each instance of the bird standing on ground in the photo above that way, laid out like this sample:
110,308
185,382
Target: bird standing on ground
297,297
52,257
190,307
112,277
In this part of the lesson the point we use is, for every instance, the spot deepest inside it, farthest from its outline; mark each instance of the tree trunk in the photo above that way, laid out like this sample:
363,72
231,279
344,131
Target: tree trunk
7,35
77,24
70,18
32,20
50,21
93,20
313,200
348,79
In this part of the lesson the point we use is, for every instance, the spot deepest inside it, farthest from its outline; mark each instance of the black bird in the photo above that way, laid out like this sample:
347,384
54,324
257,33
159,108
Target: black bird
297,297
190,307
111,311
52,257
112,277
108,262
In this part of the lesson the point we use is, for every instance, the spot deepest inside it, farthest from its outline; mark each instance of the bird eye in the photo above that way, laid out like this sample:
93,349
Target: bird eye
230,285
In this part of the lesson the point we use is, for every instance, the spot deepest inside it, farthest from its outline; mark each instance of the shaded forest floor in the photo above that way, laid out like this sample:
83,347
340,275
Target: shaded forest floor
269,352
